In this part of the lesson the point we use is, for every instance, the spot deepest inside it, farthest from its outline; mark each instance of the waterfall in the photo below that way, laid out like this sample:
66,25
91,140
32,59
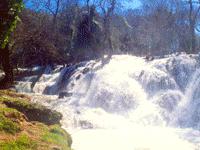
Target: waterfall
128,103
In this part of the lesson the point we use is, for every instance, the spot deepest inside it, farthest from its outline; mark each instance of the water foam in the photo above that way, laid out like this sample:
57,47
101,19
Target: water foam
129,103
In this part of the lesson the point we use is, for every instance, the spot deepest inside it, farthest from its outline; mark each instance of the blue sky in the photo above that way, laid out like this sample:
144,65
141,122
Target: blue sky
134,4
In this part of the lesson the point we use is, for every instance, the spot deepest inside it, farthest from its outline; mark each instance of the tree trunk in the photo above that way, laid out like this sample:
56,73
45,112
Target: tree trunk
7,68
192,21
193,38
107,35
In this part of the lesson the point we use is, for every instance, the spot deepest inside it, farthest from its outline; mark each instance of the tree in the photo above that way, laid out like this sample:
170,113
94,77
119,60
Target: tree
107,7
89,36
35,44
9,12
163,26
111,10
53,7
194,8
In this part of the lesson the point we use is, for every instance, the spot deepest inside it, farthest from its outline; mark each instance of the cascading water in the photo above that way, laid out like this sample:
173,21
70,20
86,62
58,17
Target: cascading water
127,103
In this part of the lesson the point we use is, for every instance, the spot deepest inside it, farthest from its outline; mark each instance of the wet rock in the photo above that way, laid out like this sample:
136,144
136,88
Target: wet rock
35,112
78,76
78,112
85,124
149,58
85,70
64,94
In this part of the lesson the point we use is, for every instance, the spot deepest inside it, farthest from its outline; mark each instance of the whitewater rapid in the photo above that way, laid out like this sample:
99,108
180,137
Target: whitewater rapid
127,103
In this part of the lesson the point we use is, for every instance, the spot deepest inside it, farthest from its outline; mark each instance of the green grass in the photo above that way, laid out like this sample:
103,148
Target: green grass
22,143
11,113
9,120
28,126
57,135
8,126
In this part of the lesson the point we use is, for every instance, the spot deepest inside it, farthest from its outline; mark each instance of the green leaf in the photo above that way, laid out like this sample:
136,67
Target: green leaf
9,23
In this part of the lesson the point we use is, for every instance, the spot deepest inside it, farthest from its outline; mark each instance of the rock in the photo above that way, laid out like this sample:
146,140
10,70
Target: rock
85,70
78,112
64,94
149,58
85,124
36,112
78,76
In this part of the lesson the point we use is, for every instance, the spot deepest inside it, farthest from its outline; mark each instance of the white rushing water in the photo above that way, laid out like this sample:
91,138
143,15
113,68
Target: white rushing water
126,103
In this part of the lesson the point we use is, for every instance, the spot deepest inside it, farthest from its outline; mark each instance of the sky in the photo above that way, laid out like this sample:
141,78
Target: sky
134,4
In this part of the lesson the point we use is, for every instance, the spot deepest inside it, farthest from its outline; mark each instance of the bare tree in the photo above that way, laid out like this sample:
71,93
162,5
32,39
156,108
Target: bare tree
108,8
53,6
194,8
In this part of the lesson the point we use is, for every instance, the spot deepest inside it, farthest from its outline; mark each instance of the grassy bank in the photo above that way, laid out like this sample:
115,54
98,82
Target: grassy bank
27,126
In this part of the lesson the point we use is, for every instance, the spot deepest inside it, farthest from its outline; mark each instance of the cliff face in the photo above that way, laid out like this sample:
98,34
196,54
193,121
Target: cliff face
28,126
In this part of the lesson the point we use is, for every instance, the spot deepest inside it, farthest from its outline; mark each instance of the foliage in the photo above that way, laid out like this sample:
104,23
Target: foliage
9,19
78,30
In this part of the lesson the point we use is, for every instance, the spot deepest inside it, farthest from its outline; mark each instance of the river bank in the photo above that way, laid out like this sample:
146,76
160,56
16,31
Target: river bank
28,126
